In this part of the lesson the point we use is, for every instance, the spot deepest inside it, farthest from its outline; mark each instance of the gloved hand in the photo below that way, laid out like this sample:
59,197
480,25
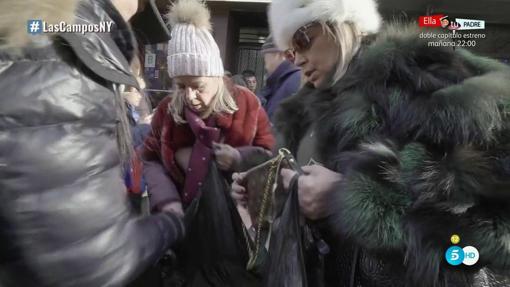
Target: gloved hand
227,157
174,207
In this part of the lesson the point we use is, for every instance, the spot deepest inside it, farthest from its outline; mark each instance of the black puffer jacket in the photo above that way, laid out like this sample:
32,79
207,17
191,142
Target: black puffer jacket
64,215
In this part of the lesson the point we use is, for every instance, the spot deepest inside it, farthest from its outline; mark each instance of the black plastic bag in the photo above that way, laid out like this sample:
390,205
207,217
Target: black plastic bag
296,249
214,252
286,263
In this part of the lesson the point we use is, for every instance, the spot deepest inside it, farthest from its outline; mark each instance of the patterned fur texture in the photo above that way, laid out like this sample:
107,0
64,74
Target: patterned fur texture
14,15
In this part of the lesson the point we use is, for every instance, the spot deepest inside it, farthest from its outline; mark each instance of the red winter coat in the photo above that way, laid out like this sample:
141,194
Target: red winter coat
248,126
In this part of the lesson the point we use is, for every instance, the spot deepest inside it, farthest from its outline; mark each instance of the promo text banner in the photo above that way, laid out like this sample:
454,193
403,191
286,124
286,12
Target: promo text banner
470,24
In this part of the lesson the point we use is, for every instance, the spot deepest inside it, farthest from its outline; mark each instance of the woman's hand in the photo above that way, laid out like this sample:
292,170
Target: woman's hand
147,119
315,188
134,98
174,207
227,157
238,191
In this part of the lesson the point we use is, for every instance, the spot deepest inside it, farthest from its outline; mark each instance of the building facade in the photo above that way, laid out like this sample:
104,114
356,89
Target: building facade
240,28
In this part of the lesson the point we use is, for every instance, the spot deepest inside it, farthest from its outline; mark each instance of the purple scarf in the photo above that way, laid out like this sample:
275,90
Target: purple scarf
205,134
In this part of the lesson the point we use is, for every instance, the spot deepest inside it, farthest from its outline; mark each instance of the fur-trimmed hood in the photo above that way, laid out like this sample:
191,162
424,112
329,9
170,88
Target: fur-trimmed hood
422,136
14,15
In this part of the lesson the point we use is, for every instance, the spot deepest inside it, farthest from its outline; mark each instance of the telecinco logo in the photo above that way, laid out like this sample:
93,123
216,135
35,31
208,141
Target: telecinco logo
456,255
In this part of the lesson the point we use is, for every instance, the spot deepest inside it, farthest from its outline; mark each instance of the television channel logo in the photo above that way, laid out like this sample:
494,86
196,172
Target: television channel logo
456,255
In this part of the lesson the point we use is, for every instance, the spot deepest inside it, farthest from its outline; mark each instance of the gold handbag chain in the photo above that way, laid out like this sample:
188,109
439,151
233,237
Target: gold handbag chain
272,174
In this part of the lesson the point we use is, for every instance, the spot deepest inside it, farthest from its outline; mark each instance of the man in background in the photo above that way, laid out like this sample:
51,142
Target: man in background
284,78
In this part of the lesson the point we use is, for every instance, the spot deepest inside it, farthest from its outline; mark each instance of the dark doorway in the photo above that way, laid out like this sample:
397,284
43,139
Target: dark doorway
250,30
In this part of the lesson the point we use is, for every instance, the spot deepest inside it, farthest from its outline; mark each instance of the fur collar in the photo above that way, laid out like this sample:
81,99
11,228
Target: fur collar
407,89
437,95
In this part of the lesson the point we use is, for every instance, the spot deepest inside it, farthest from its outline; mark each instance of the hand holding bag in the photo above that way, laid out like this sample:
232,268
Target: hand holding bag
277,248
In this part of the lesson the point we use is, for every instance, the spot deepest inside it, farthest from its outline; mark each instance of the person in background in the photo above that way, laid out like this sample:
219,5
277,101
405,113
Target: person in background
251,80
284,78
239,80
227,77
203,120
235,79
139,107
139,114
64,142
402,145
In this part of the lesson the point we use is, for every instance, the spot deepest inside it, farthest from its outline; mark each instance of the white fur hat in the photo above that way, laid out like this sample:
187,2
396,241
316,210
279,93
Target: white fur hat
287,16
192,50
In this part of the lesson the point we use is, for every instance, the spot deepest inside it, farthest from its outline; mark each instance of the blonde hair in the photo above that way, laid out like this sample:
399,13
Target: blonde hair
348,38
223,102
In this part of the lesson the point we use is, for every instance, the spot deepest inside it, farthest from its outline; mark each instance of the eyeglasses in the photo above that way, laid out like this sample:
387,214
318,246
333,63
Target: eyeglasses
301,41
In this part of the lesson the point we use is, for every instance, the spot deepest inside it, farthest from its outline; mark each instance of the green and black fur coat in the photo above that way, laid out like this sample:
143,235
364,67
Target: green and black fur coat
422,137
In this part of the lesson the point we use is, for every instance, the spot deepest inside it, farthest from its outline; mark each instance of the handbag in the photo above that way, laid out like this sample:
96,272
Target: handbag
283,241
265,198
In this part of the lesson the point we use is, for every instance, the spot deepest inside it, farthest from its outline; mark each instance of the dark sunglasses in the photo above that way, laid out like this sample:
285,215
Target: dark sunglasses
301,41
